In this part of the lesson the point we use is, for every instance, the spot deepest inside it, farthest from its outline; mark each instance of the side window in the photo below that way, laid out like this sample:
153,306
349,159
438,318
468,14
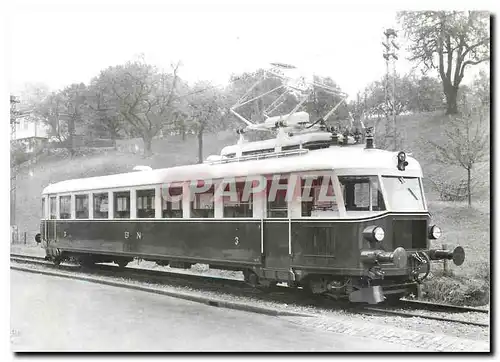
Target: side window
277,205
362,193
320,196
44,214
203,204
101,206
145,203
122,204
235,205
53,205
82,206
171,201
65,207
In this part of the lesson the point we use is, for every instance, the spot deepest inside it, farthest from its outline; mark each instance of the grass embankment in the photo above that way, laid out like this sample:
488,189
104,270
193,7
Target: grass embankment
468,284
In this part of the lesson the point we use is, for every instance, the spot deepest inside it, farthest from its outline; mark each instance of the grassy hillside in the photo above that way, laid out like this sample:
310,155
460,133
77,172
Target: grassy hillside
167,152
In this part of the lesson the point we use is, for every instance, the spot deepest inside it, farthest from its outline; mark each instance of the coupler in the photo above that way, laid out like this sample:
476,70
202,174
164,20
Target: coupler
398,257
457,255
373,294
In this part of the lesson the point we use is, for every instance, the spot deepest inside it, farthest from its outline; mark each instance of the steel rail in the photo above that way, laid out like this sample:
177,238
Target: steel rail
407,314
422,304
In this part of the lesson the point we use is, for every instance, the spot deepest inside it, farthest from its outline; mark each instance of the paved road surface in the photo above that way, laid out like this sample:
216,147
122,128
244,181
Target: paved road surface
57,314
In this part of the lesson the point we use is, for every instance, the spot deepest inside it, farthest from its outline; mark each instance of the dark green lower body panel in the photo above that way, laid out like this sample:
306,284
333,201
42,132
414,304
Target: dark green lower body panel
231,242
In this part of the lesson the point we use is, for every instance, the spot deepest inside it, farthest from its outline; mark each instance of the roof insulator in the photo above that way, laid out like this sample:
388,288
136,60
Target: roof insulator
345,141
335,136
369,138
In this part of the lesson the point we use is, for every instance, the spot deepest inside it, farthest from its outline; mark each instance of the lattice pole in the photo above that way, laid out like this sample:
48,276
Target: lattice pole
390,56
13,171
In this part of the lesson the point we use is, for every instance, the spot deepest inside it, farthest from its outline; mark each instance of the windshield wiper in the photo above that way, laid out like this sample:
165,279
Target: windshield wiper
402,180
411,192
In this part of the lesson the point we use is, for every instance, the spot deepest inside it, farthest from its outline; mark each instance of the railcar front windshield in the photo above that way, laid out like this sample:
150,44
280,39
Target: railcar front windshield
404,193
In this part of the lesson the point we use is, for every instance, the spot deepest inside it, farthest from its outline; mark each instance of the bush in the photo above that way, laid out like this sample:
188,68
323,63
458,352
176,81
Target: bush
455,190
458,290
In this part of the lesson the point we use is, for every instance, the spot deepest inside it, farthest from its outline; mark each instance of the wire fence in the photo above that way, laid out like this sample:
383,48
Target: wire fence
17,236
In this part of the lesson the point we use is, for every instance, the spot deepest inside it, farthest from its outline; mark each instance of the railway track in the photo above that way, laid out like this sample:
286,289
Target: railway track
439,307
402,313
233,287
276,294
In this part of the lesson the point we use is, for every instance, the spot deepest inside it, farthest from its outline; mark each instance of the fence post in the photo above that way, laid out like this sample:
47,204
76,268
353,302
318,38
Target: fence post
24,238
445,262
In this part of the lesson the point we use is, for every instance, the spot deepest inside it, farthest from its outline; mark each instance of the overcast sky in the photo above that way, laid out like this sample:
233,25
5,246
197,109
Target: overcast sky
59,45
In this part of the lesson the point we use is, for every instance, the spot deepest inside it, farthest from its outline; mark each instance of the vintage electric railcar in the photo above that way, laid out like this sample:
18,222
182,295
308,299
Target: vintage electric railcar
371,242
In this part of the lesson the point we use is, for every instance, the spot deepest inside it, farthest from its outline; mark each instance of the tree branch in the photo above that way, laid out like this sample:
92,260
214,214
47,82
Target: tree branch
471,62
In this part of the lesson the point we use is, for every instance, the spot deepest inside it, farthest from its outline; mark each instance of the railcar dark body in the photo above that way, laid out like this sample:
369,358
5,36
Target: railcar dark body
363,247
317,246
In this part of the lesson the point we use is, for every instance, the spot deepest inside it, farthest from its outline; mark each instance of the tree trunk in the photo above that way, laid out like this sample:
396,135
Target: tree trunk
200,145
113,137
183,133
147,146
468,186
451,99
71,133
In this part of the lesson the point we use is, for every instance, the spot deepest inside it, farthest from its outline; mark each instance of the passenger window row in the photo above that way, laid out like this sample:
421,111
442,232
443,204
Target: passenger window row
202,205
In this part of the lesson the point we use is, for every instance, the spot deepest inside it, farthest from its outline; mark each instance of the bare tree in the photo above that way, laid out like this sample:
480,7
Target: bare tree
448,41
145,98
467,143
104,112
204,112
50,109
73,99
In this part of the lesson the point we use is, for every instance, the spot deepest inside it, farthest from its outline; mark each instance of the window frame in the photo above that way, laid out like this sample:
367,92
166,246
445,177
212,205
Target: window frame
247,206
269,180
60,198
195,199
315,190
168,212
44,206
142,197
77,196
420,186
117,195
381,207
94,204
53,216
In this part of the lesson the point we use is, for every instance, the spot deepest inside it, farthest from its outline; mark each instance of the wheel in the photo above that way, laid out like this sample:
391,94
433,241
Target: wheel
392,298
122,263
87,262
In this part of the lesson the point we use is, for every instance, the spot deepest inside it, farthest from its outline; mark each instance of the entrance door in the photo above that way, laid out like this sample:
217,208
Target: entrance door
276,244
51,223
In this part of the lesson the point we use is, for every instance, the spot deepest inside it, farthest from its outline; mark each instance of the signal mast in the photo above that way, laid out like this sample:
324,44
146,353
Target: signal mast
390,56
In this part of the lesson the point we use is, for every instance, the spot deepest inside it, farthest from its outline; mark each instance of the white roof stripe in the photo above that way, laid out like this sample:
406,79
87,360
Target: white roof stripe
333,158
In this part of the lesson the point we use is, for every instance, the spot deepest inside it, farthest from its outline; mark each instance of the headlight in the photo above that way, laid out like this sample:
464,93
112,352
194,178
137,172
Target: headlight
378,233
401,156
435,232
374,233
